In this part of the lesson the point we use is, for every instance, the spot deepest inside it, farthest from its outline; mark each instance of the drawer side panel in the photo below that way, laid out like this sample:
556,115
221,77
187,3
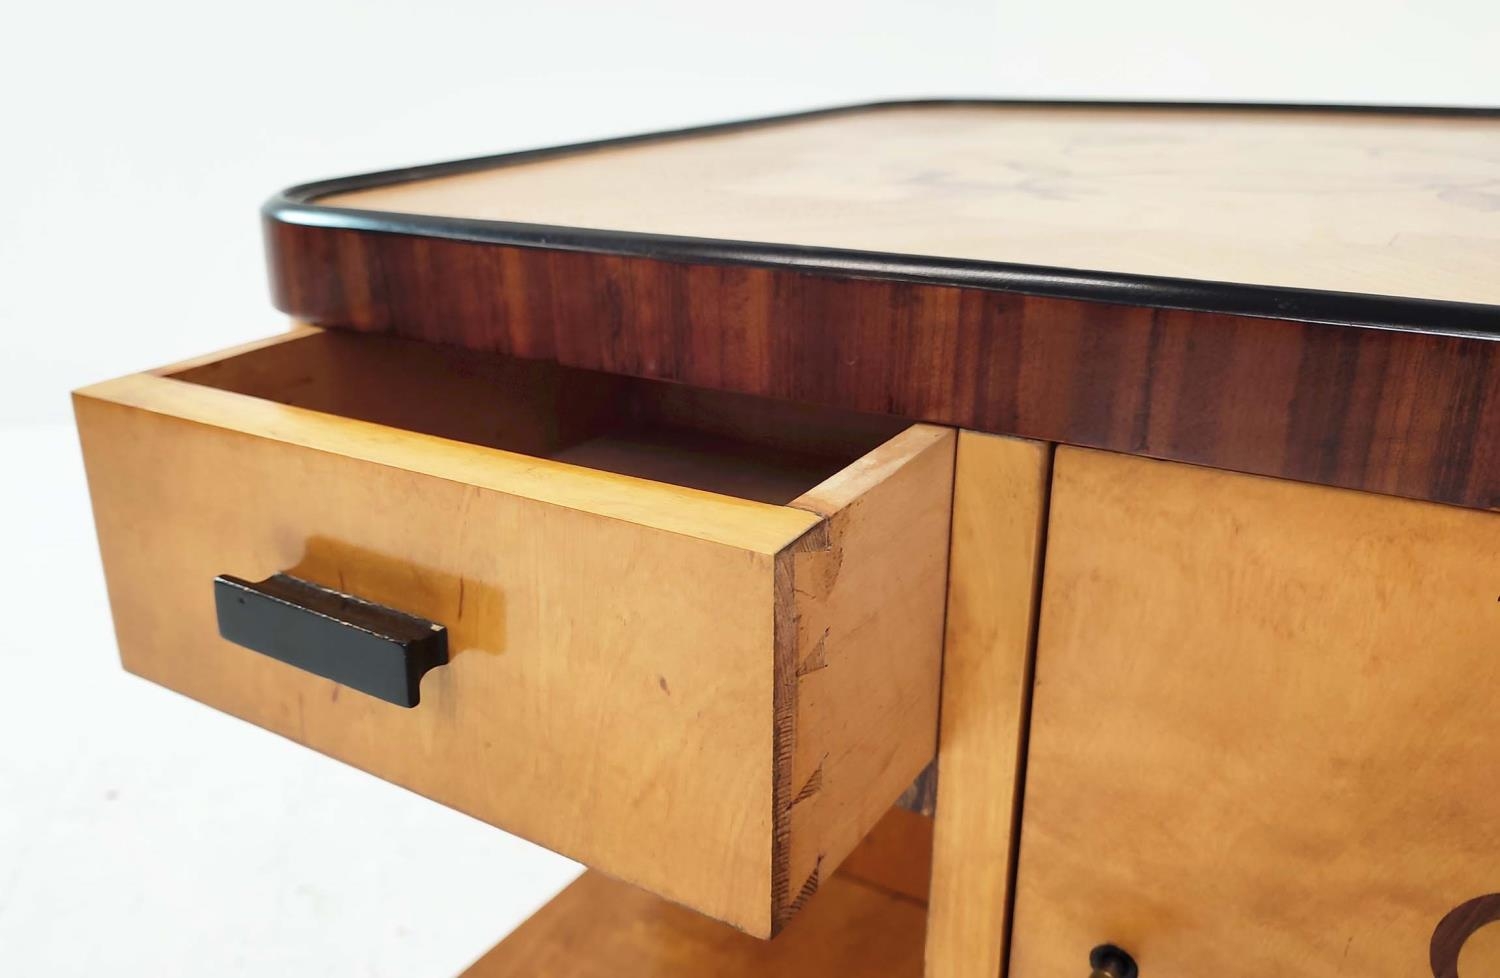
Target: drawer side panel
866,592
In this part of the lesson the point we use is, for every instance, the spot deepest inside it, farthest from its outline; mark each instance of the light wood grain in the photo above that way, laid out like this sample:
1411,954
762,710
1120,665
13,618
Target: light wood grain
860,629
600,928
623,680
1480,955
896,855
1381,204
1264,734
999,517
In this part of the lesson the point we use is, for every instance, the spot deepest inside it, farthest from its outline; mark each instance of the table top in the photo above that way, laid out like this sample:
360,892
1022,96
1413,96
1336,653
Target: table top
1301,291
1394,203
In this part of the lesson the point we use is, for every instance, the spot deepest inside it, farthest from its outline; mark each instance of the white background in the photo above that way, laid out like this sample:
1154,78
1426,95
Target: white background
141,834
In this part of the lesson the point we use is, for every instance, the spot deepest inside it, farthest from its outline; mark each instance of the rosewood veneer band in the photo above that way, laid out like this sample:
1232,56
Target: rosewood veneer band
1403,412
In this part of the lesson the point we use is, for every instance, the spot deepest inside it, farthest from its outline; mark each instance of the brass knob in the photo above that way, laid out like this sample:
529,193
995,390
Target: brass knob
1109,961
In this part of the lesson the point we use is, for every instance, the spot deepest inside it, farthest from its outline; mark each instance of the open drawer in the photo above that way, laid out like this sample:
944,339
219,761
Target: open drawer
693,638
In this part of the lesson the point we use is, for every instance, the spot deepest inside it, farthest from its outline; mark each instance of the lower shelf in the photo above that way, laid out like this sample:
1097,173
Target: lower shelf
601,928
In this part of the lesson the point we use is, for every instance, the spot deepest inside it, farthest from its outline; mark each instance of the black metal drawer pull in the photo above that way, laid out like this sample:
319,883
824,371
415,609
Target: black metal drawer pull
1108,961
358,643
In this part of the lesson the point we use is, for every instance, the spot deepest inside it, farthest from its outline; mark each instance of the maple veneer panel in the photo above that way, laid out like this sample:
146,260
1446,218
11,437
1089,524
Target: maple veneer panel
999,524
601,928
1264,732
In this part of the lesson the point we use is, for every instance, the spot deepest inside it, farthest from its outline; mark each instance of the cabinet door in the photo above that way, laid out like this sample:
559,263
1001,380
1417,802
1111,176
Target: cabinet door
1266,730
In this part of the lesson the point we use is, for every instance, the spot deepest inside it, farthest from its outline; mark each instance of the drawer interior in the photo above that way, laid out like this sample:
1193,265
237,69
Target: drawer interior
733,444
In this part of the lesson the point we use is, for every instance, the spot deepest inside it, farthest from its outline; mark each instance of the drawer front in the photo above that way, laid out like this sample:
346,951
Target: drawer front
1264,731
710,697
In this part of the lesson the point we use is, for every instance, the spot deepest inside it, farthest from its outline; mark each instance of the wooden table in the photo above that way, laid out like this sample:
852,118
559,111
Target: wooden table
671,500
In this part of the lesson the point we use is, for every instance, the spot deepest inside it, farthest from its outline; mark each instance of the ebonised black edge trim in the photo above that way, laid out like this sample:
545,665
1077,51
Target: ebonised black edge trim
297,205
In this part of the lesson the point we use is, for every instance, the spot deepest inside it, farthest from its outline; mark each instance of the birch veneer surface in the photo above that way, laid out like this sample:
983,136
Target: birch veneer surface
1395,205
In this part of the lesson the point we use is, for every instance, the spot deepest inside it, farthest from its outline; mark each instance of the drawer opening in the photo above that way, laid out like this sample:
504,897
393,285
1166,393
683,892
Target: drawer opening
732,444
